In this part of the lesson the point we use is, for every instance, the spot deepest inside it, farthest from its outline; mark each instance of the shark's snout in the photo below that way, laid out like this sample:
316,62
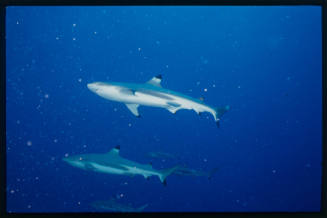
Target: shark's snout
93,87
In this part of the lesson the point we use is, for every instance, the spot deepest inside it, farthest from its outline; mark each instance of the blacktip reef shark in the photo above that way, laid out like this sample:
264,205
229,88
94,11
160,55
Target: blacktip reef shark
113,163
152,94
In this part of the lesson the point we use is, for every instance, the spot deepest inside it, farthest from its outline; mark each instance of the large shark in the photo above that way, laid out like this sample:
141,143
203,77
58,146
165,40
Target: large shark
113,163
152,94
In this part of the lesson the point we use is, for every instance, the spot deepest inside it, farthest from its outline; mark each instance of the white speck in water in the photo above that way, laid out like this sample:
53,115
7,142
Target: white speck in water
74,38
214,85
129,124
57,38
29,206
167,66
84,146
66,155
46,96
198,83
29,143
18,121
74,24
139,49
95,33
79,203
205,160
205,89
17,22
37,178
53,158
238,87
121,195
115,109
55,140
79,79
274,171
12,191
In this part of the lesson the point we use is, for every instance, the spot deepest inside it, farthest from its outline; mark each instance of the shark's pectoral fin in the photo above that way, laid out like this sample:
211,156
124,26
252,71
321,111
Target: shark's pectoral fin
133,109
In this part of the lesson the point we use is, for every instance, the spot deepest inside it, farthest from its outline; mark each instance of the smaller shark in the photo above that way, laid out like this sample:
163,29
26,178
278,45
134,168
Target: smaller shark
113,163
192,172
114,206
152,94
161,155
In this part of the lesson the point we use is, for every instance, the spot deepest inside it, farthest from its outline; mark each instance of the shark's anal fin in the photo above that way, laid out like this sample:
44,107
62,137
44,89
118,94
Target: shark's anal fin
133,109
155,81
173,107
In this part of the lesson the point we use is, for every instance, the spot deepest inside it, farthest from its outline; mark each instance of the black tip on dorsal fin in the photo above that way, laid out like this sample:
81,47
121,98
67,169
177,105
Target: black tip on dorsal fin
159,76
117,147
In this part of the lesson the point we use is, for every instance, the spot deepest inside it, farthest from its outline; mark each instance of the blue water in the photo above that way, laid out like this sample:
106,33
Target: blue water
265,62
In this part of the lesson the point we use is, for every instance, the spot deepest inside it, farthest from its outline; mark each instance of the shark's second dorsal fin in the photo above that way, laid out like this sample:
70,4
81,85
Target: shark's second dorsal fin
155,81
115,150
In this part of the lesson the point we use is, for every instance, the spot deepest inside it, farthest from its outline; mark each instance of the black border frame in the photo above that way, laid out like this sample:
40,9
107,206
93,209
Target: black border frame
5,3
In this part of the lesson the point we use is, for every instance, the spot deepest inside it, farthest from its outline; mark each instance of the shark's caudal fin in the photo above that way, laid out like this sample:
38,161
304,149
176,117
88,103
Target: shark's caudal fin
166,172
220,112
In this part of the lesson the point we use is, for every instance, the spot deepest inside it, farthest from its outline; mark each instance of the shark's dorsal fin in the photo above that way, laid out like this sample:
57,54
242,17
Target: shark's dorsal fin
155,81
115,150
133,109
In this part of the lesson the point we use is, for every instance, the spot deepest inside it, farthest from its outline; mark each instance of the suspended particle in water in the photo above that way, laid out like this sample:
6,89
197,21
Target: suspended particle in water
29,143
74,24
46,96
205,89
55,140
66,155
129,124
79,79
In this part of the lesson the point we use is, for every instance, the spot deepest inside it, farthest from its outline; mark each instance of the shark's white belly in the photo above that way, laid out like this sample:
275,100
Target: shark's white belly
107,169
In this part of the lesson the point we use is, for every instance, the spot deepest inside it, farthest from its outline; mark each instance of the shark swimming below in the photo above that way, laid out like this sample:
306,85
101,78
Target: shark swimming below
113,163
152,94
114,206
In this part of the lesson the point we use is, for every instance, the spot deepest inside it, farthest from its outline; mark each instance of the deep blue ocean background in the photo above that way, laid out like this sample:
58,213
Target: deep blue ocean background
265,62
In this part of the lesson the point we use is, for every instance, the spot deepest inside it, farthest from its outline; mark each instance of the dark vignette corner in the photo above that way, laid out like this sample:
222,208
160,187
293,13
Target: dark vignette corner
2,112
324,108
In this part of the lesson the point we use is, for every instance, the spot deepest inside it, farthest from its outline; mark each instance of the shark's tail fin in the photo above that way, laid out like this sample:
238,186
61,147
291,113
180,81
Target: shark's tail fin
140,209
213,171
166,172
220,112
